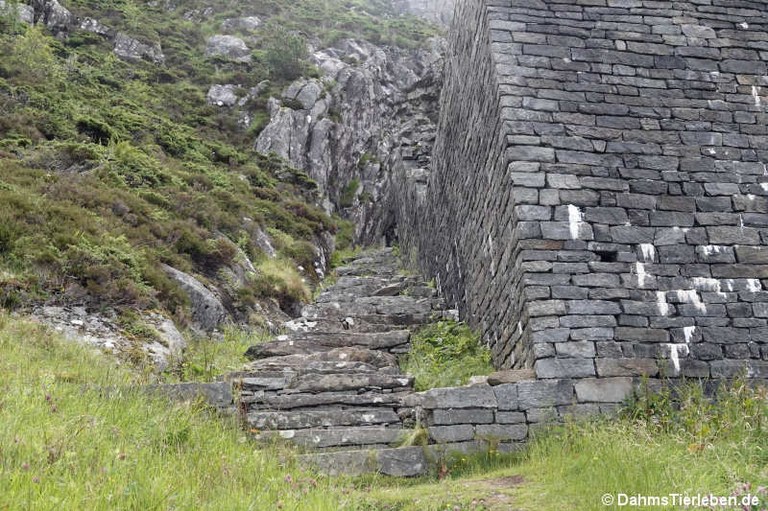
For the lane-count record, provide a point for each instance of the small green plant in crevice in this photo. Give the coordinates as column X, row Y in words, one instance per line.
column 445, row 354
column 348, row 193
column 418, row 436
column 345, row 239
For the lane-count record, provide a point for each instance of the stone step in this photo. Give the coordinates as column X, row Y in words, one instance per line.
column 341, row 382
column 304, row 365
column 376, row 358
column 303, row 419
column 353, row 294
column 313, row 342
column 344, row 436
column 264, row 399
column 397, row 462
column 336, row 324
column 371, row 305
column 296, row 382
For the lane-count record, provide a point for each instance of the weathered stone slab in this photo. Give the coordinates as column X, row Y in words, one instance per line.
column 543, row 393
column 603, row 390
column 352, row 381
column 302, row 419
column 564, row 368
column 514, row 432
column 511, row 376
column 477, row 396
column 339, row 436
column 462, row 416
column 450, row 434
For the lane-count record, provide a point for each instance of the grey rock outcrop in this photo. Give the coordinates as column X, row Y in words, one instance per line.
column 24, row 12
column 129, row 48
column 53, row 15
column 102, row 329
column 371, row 106
column 95, row 27
column 227, row 47
column 222, row 95
column 207, row 310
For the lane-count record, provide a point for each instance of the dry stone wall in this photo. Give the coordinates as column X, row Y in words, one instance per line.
column 598, row 197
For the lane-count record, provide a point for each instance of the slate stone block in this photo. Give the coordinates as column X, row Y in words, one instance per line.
column 446, row 434
column 450, row 417
column 564, row 368
column 544, row 393
column 513, row 432
column 603, row 390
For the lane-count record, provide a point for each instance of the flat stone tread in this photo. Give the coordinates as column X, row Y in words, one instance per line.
column 317, row 342
column 274, row 401
column 398, row 462
column 302, row 419
column 320, row 438
column 375, row 358
column 332, row 381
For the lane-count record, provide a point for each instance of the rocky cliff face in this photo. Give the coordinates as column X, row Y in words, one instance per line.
column 370, row 108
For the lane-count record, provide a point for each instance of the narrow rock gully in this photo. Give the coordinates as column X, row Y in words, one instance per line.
column 332, row 385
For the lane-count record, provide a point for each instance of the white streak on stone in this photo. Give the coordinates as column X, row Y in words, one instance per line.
column 640, row 270
column 754, row 285
column 706, row 284
column 675, row 350
column 661, row 302
column 574, row 219
column 688, row 332
column 712, row 249
column 729, row 284
column 648, row 251
column 756, row 95
column 691, row 296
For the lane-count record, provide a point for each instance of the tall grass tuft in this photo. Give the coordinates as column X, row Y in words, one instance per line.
column 66, row 442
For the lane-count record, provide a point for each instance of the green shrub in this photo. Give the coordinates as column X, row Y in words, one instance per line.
column 348, row 193
column 446, row 354
column 285, row 54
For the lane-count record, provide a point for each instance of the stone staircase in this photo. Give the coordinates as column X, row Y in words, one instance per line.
column 332, row 383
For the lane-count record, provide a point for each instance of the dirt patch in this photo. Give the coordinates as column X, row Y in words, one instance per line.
column 492, row 494
column 504, row 482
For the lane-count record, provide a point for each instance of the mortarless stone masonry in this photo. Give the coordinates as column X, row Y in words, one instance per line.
column 598, row 198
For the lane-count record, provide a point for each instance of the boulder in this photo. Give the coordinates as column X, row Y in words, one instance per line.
column 25, row 13
column 227, row 47
column 95, row 27
column 53, row 15
column 222, row 95
column 207, row 311
column 129, row 48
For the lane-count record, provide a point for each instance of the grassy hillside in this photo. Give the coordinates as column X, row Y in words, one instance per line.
column 66, row 444
column 109, row 168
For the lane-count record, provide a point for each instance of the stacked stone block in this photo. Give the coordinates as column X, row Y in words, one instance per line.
column 598, row 204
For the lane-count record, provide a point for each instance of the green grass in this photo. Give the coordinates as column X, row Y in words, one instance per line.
column 206, row 359
column 655, row 447
column 446, row 354
column 75, row 435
